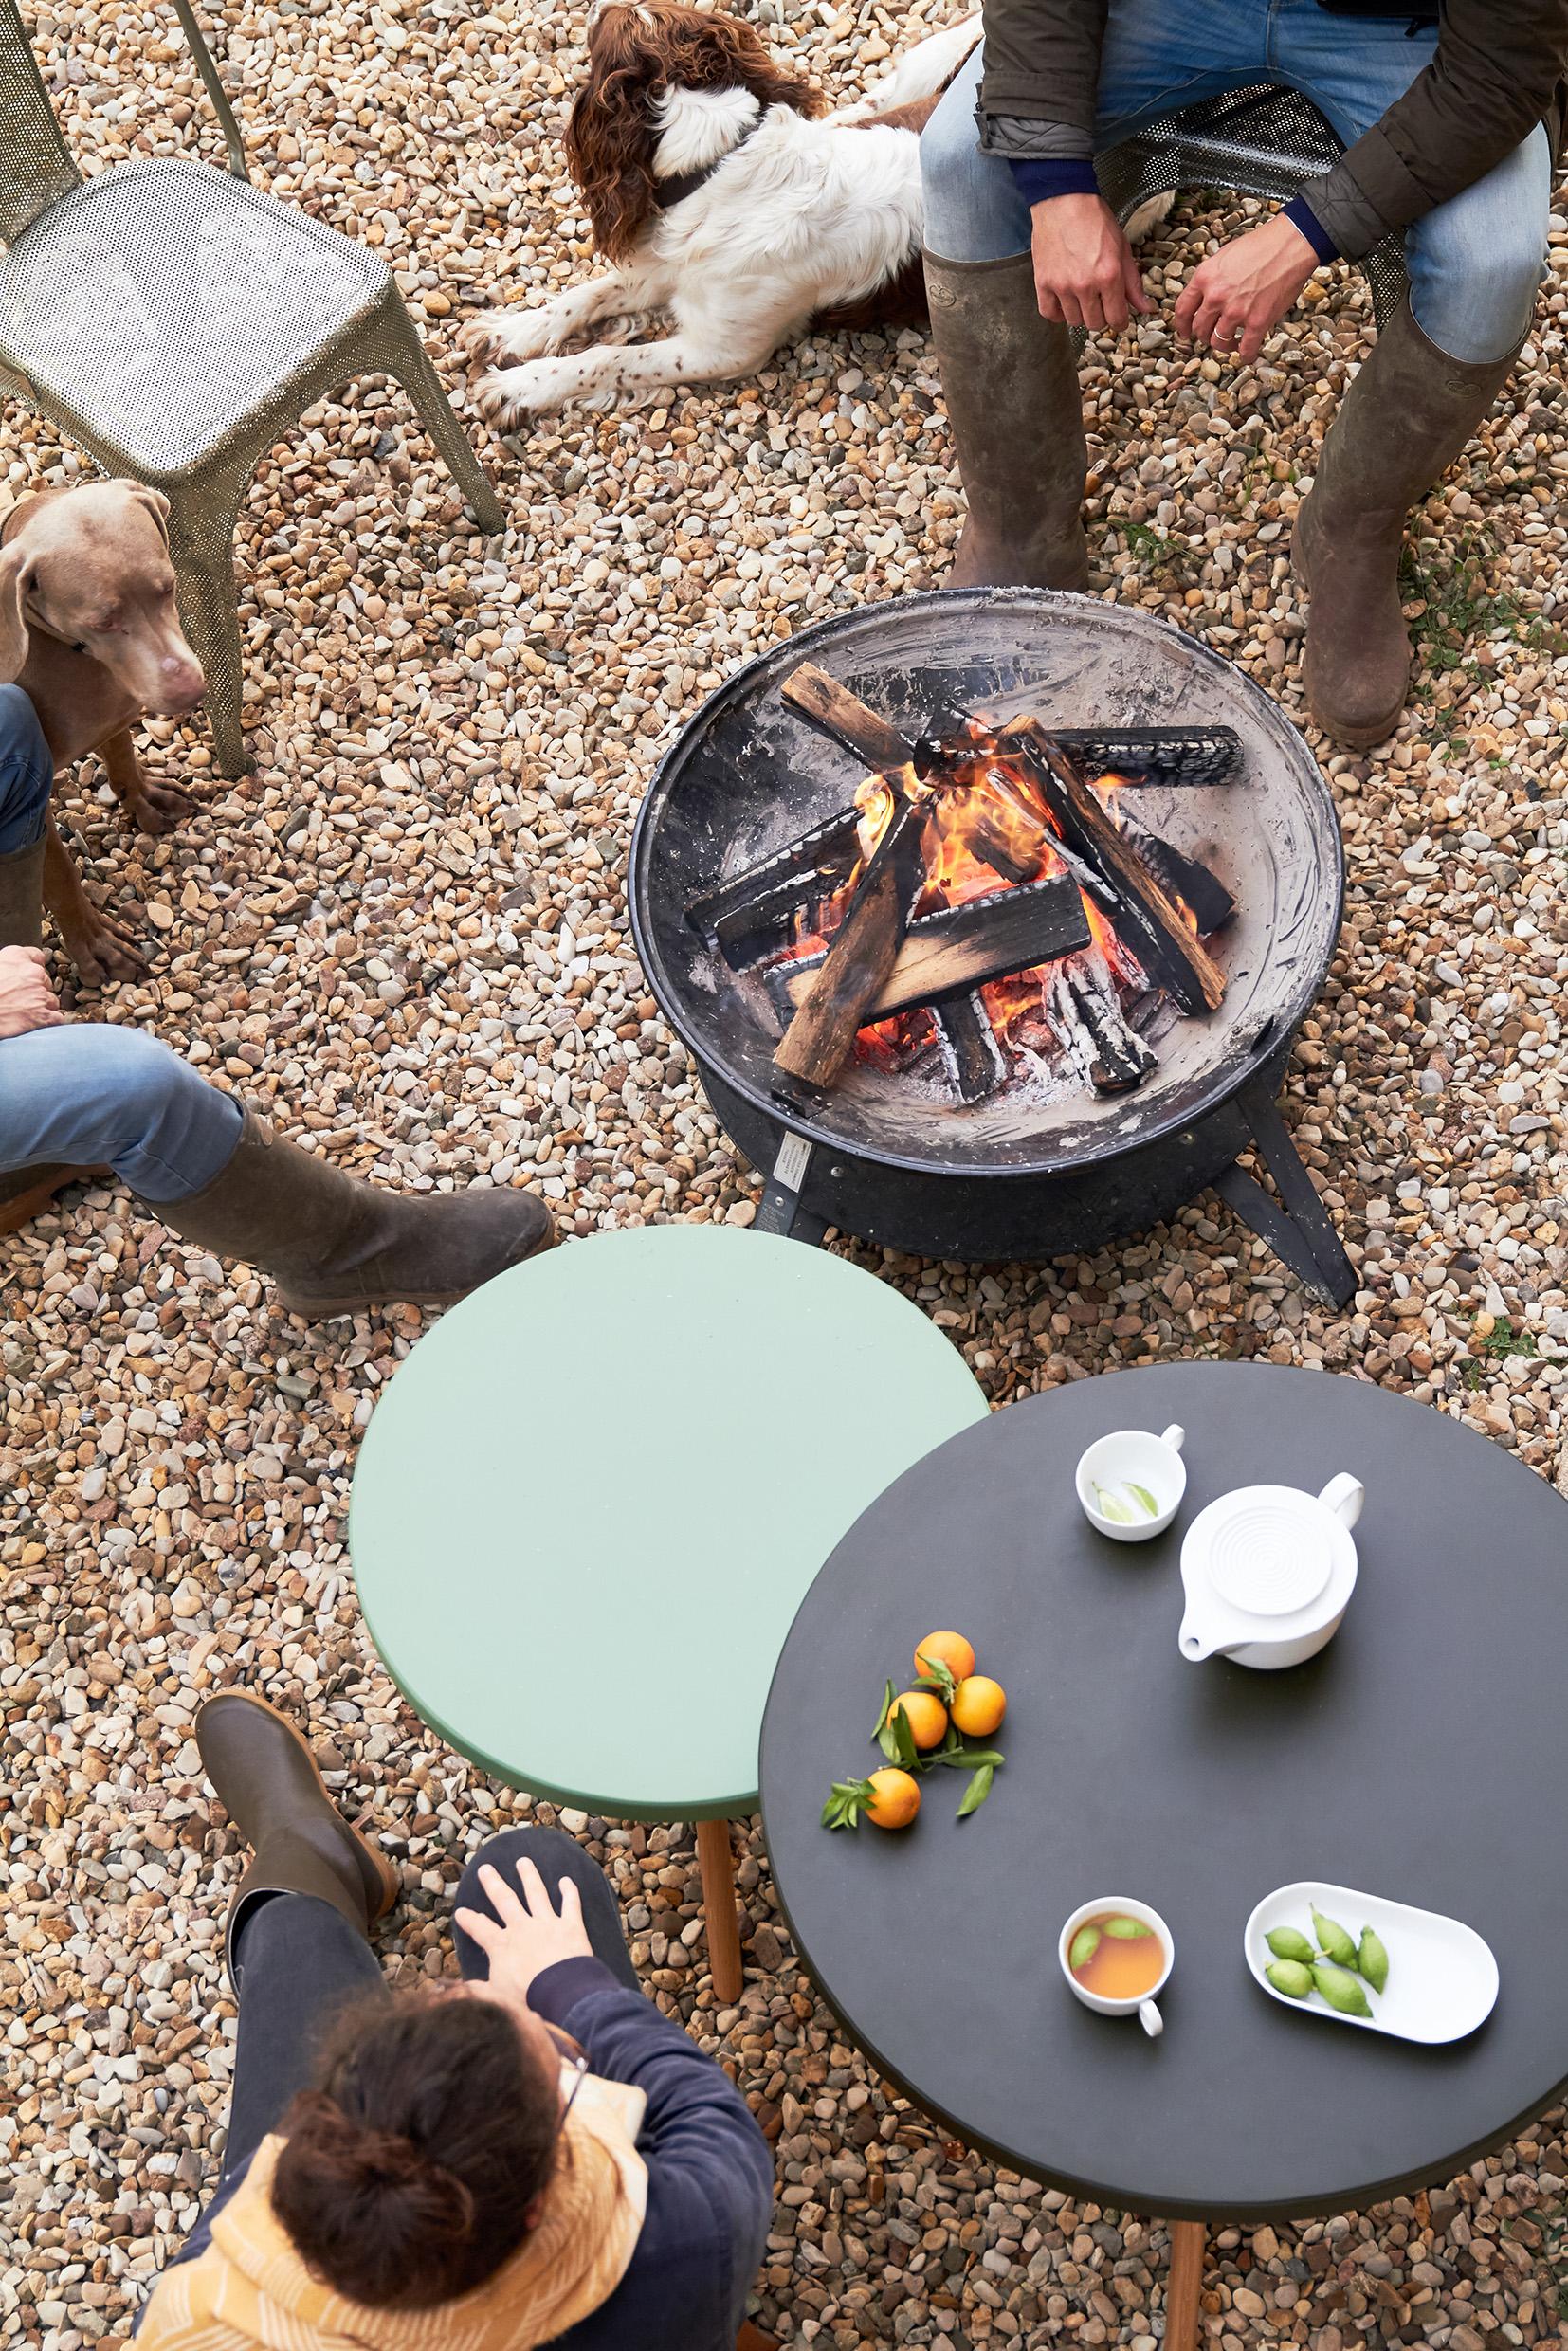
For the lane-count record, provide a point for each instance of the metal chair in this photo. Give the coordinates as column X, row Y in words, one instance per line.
column 1265, row 140
column 177, row 321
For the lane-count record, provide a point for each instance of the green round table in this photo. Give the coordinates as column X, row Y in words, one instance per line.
column 589, row 1505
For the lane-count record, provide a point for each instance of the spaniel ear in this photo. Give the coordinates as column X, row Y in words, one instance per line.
column 15, row 581
column 156, row 504
column 609, row 146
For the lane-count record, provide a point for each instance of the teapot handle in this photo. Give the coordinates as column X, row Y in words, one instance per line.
column 1345, row 1496
column 1174, row 1436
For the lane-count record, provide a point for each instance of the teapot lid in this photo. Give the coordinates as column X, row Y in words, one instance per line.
column 1267, row 1555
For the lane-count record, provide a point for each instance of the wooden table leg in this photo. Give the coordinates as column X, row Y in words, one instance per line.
column 716, row 1861
column 1189, row 2246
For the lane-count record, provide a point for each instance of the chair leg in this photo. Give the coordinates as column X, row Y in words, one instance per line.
column 752, row 2339
column 410, row 364
column 716, row 1859
column 201, row 543
column 1189, row 2247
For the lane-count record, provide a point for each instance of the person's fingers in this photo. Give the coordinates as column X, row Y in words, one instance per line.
column 504, row 1896
column 1254, row 339
column 571, row 1902
column 1187, row 302
column 1114, row 304
column 1132, row 283
column 1207, row 318
column 487, row 1932
column 1049, row 307
column 535, row 1892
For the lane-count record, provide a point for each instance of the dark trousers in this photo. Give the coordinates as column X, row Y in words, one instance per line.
column 299, row 1965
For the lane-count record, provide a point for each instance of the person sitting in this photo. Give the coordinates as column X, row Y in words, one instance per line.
column 1445, row 117
column 79, row 1097
column 532, row 2155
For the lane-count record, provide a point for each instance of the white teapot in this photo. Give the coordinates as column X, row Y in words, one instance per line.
column 1269, row 1572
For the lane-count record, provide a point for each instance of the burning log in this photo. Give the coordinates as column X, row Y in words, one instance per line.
column 1145, row 918
column 754, row 905
column 1088, row 1019
column 959, row 948
column 976, row 1061
column 852, row 974
column 1142, row 754
column 1180, row 876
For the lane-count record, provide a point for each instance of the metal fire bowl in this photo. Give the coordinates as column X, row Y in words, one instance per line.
column 746, row 775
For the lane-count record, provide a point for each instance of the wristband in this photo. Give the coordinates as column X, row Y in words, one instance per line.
column 1039, row 176
column 1301, row 215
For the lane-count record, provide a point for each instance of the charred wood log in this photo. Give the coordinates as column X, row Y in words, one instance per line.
column 970, row 1048
column 1088, row 1020
column 764, row 897
column 1144, row 755
column 1145, row 917
column 852, row 973
column 959, row 948
column 1180, row 876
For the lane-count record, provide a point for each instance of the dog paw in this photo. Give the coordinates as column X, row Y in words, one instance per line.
column 158, row 807
column 508, row 335
column 102, row 949
column 507, row 395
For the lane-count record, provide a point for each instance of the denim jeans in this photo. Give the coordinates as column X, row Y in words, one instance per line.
column 1475, row 263
column 299, row 1965
column 27, row 773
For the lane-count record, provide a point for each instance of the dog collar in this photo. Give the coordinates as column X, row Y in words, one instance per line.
column 669, row 193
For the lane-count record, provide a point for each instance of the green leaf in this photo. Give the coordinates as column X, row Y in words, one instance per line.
column 968, row 1758
column 1125, row 1929
column 908, row 1754
column 888, row 1696
column 976, row 1792
column 1113, row 1507
column 935, row 1674
column 1141, row 1494
column 887, row 1739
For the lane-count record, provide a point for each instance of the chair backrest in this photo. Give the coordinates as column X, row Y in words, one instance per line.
column 35, row 163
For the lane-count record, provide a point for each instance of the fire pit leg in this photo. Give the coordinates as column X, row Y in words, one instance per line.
column 1189, row 2245
column 1297, row 1226
column 716, row 1859
column 781, row 1209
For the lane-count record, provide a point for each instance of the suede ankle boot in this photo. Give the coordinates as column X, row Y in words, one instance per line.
column 267, row 1781
column 335, row 1243
column 1010, row 380
column 1401, row 426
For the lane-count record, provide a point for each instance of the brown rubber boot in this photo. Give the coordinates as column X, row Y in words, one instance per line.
column 267, row 1781
column 335, row 1244
column 26, row 1190
column 1401, row 424
column 1010, row 380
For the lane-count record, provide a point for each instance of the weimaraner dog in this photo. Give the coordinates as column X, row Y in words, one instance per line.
column 90, row 631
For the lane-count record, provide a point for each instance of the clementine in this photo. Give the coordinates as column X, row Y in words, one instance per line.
column 978, row 1705
column 948, row 1649
column 895, row 1799
column 925, row 1715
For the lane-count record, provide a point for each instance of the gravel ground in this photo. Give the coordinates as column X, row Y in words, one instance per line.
column 406, row 934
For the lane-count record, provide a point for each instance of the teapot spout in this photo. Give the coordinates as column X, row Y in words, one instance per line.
column 1195, row 1644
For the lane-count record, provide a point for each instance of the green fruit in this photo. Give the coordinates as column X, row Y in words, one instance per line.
column 1286, row 1942
column 1340, row 1988
column 1125, row 1929
column 1373, row 1959
column 1082, row 1947
column 1332, row 1940
column 1291, row 1977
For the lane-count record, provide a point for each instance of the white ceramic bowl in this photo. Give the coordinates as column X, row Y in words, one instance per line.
column 1136, row 1456
column 1143, row 2008
column 1442, row 1978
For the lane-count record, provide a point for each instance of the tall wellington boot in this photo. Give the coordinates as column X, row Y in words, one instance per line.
column 335, row 1243
column 268, row 1782
column 1010, row 380
column 1401, row 424
column 26, row 1190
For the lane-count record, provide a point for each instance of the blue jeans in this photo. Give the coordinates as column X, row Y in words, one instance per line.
column 27, row 773
column 86, row 1095
column 1475, row 263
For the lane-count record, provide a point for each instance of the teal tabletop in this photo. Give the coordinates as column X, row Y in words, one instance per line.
column 592, row 1500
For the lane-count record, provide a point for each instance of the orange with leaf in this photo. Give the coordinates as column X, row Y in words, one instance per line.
column 929, row 1725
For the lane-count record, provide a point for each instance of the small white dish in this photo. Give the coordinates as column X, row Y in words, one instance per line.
column 1269, row 1572
column 1143, row 2007
column 1442, row 1978
column 1134, row 1457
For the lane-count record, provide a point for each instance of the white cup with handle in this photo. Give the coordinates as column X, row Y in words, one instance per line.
column 1121, row 1475
column 1141, row 2004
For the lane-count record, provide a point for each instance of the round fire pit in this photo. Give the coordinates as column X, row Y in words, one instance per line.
column 1035, row 1168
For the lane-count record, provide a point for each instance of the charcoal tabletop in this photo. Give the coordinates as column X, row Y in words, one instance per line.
column 1418, row 1757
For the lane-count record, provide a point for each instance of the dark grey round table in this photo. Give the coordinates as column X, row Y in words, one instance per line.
column 1418, row 1757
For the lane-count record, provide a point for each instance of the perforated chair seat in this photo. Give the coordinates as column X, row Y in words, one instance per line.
column 1265, row 141
column 167, row 307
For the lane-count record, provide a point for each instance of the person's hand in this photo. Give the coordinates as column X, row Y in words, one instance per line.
column 1084, row 274
column 1240, row 294
column 526, row 1935
column 26, row 1000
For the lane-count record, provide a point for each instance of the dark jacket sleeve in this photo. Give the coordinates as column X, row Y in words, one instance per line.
column 1042, row 59
column 710, row 2169
column 1496, row 72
